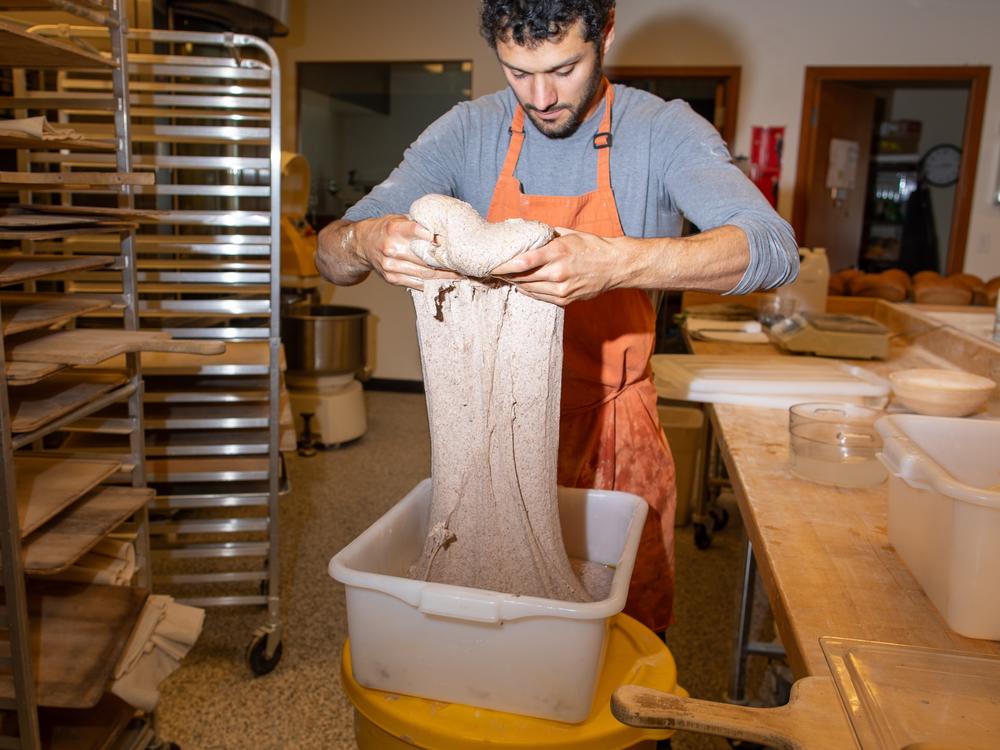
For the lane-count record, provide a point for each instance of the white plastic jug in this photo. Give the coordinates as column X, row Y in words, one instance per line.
column 810, row 288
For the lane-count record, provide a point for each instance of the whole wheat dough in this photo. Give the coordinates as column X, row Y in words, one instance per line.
column 492, row 360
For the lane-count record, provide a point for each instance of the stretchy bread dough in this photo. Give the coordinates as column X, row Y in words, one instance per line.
column 492, row 360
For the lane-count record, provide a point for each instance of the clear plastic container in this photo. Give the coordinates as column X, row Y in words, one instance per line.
column 835, row 443
column 911, row 698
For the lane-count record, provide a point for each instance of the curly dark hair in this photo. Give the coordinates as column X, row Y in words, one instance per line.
column 531, row 22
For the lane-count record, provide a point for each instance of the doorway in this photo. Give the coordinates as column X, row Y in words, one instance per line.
column 712, row 92
column 887, row 164
column 355, row 120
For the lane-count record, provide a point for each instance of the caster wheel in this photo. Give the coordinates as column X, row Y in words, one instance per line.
column 702, row 536
column 257, row 657
column 720, row 517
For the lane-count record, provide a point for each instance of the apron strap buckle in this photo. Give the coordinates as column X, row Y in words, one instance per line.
column 606, row 143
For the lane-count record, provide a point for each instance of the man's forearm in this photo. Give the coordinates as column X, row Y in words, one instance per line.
column 713, row 261
column 337, row 256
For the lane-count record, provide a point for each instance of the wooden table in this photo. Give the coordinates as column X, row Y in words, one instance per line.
column 823, row 552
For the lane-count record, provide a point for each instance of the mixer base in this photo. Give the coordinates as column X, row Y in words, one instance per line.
column 338, row 414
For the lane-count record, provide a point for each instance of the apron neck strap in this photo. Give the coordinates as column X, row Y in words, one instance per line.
column 602, row 140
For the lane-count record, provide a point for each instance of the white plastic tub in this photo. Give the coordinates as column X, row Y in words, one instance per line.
column 519, row 654
column 944, row 513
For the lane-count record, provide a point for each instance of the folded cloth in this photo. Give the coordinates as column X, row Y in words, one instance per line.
column 694, row 323
column 163, row 635
column 740, row 337
column 110, row 561
column 38, row 127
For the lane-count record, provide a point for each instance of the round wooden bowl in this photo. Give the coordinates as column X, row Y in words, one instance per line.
column 941, row 393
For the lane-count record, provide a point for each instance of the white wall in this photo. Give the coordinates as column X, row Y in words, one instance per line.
column 772, row 40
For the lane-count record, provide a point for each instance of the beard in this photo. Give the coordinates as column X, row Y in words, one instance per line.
column 577, row 110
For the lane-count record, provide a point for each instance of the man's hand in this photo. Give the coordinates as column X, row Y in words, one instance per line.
column 349, row 250
column 573, row 266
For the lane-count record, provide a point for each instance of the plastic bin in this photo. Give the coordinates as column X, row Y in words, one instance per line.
column 944, row 513
column 684, row 427
column 518, row 654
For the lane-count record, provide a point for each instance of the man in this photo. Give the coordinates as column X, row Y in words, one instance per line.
column 613, row 169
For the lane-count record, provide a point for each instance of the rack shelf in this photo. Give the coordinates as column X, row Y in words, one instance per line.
column 25, row 50
column 46, row 486
column 65, row 539
column 78, row 632
column 207, row 469
column 72, row 6
column 205, row 390
column 18, row 268
column 25, row 312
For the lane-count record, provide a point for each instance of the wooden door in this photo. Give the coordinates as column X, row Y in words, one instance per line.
column 848, row 113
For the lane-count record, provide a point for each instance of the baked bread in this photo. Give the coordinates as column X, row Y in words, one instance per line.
column 974, row 284
column 878, row 285
column 992, row 288
column 899, row 275
column 934, row 290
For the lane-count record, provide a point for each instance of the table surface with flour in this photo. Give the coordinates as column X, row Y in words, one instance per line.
column 822, row 551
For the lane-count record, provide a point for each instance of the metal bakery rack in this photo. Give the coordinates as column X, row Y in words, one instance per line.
column 205, row 120
column 62, row 638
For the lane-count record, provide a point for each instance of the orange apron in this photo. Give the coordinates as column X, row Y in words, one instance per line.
column 609, row 431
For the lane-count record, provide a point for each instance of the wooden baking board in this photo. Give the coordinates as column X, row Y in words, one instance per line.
column 21, row 49
column 31, row 220
column 16, row 268
column 11, row 139
column 94, row 729
column 34, row 406
column 58, row 233
column 240, row 358
column 42, row 181
column 91, row 211
column 45, row 486
column 25, row 312
column 66, row 538
column 91, row 346
column 29, row 373
column 78, row 633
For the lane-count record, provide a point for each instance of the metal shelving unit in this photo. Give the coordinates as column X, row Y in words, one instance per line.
column 64, row 639
column 205, row 119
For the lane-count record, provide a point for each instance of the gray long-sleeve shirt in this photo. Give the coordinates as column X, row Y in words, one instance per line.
column 666, row 163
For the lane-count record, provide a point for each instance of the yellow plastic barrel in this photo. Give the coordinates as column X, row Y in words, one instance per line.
column 635, row 656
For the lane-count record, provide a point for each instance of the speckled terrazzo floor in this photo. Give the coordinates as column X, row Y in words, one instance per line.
column 212, row 702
